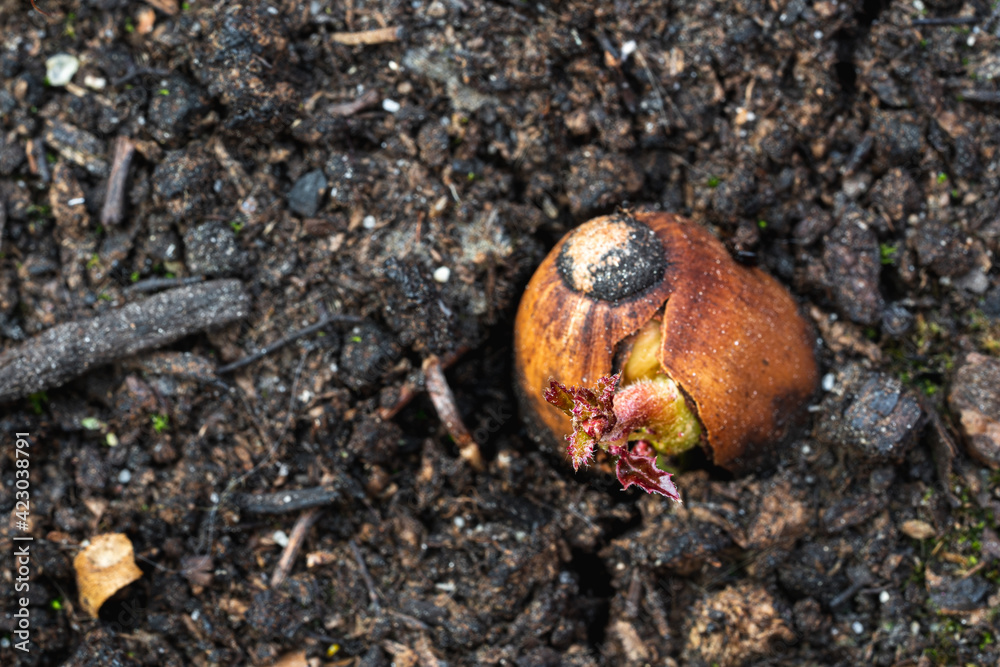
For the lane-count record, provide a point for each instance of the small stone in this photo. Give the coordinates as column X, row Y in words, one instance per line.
column 280, row 538
column 95, row 82
column 392, row 106
column 442, row 274
column 304, row 197
column 369, row 222
column 436, row 10
column 896, row 320
column 975, row 281
column 975, row 399
column 125, row 476
column 60, row 68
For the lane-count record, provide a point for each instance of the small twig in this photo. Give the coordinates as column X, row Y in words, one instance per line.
column 367, row 37
column 367, row 99
column 410, row 390
column 444, row 402
column 292, row 337
column 114, row 197
column 295, row 540
column 140, row 71
column 369, row 582
column 946, row 20
column 3, row 220
column 410, row 621
column 280, row 502
column 157, row 284
column 35, row 7
column 992, row 96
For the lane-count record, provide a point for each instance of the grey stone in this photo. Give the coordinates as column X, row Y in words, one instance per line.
column 305, row 195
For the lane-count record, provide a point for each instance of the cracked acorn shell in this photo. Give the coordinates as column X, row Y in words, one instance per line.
column 104, row 567
column 731, row 336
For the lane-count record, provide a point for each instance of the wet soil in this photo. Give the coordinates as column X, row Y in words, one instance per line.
column 394, row 171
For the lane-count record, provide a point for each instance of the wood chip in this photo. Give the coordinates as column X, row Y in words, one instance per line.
column 377, row 36
column 918, row 530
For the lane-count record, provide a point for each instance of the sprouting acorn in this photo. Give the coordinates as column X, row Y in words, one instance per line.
column 640, row 335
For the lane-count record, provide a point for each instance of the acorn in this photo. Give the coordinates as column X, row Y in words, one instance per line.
column 639, row 334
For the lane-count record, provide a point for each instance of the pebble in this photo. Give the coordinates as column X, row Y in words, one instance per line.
column 95, row 82
column 884, row 597
column 125, row 476
column 975, row 399
column 828, row 381
column 368, row 222
column 442, row 274
column 857, row 627
column 280, row 538
column 60, row 68
column 304, row 197
column 392, row 106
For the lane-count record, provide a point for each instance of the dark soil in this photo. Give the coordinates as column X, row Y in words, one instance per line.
column 852, row 149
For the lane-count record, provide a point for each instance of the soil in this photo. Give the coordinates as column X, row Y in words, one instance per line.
column 395, row 171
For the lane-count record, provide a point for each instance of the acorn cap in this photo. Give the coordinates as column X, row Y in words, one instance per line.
column 103, row 568
column 732, row 336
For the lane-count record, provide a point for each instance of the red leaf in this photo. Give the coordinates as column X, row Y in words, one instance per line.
column 560, row 396
column 581, row 449
column 642, row 471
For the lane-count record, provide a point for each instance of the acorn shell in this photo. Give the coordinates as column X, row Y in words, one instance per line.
column 103, row 568
column 732, row 336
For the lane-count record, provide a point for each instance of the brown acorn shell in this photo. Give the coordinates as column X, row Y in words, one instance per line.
column 103, row 568
column 732, row 338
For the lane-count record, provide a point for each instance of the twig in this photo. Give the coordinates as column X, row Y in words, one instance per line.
column 156, row 284
column 70, row 349
column 410, row 390
column 114, row 197
column 312, row 328
column 295, row 540
column 280, row 502
column 946, row 20
column 367, row 99
column 980, row 96
column 3, row 220
column 367, row 37
column 444, row 403
column 369, row 582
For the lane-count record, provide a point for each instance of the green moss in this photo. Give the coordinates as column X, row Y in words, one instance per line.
column 38, row 400
column 160, row 422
